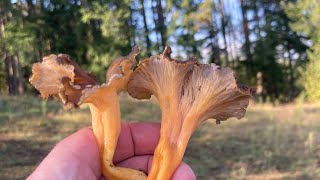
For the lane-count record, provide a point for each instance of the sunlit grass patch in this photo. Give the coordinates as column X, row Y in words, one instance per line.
column 257, row 144
column 139, row 110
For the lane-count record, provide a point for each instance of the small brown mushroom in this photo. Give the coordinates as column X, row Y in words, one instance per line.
column 188, row 94
column 60, row 77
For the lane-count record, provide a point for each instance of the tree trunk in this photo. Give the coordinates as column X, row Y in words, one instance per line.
column 156, row 24
column 146, row 29
column 14, row 75
column 223, row 28
column 291, row 77
column 257, row 19
column 195, row 51
column 39, row 45
column 235, row 39
column 20, row 80
column 131, row 28
column 161, row 25
column 232, row 51
column 246, row 35
column 11, row 73
column 31, row 8
column 215, row 57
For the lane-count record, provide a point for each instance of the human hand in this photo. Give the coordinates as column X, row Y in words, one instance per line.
column 77, row 156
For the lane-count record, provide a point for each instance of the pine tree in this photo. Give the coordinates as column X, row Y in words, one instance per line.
column 305, row 15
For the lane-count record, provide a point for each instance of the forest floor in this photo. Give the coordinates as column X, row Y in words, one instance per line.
column 271, row 142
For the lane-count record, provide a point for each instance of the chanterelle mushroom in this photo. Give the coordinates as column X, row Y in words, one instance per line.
column 60, row 77
column 188, row 94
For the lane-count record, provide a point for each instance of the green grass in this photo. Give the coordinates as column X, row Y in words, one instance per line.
column 280, row 142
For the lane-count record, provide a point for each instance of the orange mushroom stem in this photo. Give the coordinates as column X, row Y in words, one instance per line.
column 60, row 77
column 188, row 93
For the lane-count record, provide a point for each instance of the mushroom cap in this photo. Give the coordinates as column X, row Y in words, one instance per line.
column 122, row 64
column 158, row 73
column 194, row 90
column 117, row 78
column 59, row 76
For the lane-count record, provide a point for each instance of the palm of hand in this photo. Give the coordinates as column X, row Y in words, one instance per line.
column 77, row 156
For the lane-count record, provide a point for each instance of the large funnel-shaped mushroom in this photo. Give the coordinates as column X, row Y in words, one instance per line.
column 188, row 94
column 58, row 76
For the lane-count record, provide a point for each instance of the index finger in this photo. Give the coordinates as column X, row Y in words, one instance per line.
column 137, row 139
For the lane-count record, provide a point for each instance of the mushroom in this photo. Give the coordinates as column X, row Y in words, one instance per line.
column 188, row 93
column 60, row 77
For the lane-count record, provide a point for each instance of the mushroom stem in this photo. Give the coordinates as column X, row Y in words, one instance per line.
column 106, row 127
column 104, row 104
column 171, row 147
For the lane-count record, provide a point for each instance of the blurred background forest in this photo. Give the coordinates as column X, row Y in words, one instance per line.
column 272, row 45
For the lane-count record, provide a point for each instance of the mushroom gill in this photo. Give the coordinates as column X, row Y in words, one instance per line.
column 188, row 93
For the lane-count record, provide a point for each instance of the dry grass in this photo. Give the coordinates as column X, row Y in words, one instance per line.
column 280, row 142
